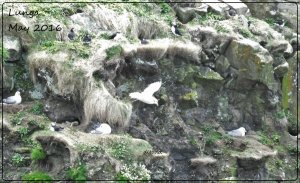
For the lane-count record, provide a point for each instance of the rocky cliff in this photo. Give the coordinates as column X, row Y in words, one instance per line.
column 234, row 65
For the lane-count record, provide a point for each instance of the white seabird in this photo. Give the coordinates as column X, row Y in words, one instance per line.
column 103, row 129
column 147, row 95
column 238, row 132
column 17, row 99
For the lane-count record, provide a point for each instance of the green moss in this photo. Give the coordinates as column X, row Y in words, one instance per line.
column 210, row 134
column 38, row 154
column 17, row 119
column 17, row 159
column 208, row 17
column 270, row 21
column 22, row 80
column 220, row 28
column 52, row 46
column 23, row 131
column 5, row 54
column 165, row 8
column 113, row 51
column 37, row 108
column 37, row 176
column 269, row 139
column 245, row 33
column 120, row 150
column 193, row 95
column 287, row 82
column 78, row 173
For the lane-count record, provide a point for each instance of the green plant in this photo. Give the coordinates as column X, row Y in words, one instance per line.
column 37, row 108
column 210, row 17
column 22, row 80
column 133, row 172
column 193, row 141
column 270, row 21
column 210, row 134
column 245, row 32
column 165, row 8
column 16, row 119
column 37, row 154
column 220, row 28
column 113, row 51
column 37, row 175
column 5, row 52
column 77, row 173
column 17, row 159
column 120, row 150
column 267, row 139
column 293, row 149
column 280, row 114
column 23, row 131
column 105, row 35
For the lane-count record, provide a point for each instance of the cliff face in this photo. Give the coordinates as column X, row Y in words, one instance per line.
column 233, row 66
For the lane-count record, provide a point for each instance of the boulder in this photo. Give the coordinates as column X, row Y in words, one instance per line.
column 185, row 14
column 252, row 62
column 281, row 69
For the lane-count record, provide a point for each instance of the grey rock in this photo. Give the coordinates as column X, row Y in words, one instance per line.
column 282, row 69
column 185, row 15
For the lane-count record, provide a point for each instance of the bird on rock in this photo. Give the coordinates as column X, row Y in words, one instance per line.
column 175, row 30
column 103, row 129
column 279, row 22
column 147, row 95
column 238, row 132
column 16, row 99
column 55, row 127
column 71, row 34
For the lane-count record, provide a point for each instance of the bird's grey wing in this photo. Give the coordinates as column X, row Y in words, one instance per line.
column 10, row 100
column 233, row 133
column 152, row 88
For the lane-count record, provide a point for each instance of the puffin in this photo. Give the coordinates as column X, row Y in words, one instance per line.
column 87, row 39
column 175, row 30
column 71, row 34
column 55, row 127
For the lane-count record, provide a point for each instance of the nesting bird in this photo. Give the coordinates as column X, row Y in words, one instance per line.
column 280, row 22
column 103, row 129
column 175, row 30
column 16, row 99
column 55, row 127
column 87, row 39
column 71, row 34
column 147, row 95
column 238, row 132
column 249, row 23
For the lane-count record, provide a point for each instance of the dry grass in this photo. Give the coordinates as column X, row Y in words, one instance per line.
column 100, row 105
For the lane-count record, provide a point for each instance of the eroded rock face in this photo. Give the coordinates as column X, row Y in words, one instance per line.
column 252, row 62
column 59, row 109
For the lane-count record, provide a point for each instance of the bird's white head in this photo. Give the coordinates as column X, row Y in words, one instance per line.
column 243, row 129
column 53, row 124
column 17, row 93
